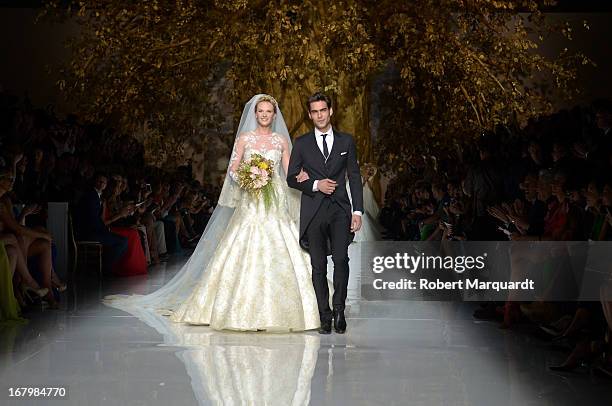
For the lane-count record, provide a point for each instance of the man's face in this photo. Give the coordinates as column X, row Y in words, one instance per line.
column 38, row 155
column 438, row 194
column 101, row 183
column 320, row 115
column 604, row 120
column 557, row 152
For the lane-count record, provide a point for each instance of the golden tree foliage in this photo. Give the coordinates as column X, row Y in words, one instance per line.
column 463, row 65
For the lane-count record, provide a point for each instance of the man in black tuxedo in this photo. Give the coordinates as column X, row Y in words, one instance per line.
column 327, row 221
column 91, row 227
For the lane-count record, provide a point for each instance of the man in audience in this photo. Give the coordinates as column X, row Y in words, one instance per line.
column 90, row 225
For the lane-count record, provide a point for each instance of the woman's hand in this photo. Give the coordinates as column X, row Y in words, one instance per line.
column 456, row 208
column 302, row 176
column 127, row 210
column 30, row 209
column 498, row 214
column 580, row 150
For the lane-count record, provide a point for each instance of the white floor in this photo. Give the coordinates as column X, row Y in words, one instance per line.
column 394, row 353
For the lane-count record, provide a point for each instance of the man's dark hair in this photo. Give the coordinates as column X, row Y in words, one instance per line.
column 318, row 96
column 99, row 175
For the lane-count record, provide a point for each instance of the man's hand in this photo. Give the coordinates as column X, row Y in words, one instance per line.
column 355, row 223
column 302, row 176
column 327, row 186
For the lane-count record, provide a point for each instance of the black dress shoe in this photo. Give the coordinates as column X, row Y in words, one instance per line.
column 339, row 321
column 325, row 327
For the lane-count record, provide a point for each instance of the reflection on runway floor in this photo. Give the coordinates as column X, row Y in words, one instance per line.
column 394, row 353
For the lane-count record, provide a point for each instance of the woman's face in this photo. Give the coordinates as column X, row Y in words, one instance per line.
column 50, row 161
column 453, row 190
column 38, row 155
column 557, row 152
column 592, row 195
column 544, row 189
column 437, row 193
column 534, row 151
column 558, row 187
column 530, row 187
column 592, row 188
column 23, row 164
column 116, row 188
column 575, row 196
column 264, row 113
column 6, row 184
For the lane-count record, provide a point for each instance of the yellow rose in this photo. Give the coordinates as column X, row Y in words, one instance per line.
column 263, row 165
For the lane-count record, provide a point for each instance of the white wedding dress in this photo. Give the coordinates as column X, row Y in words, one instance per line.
column 258, row 278
column 248, row 271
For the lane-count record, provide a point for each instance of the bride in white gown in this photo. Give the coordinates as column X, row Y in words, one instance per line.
column 248, row 271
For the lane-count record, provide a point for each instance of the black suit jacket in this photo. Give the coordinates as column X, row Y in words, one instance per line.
column 342, row 162
column 89, row 219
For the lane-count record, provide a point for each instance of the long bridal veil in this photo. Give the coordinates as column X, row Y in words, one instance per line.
column 170, row 296
column 226, row 367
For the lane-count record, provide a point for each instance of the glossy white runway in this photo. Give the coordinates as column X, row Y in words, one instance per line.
column 394, row 353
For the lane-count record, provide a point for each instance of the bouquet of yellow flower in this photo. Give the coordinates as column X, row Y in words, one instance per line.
column 254, row 176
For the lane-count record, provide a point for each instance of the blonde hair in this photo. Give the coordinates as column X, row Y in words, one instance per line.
column 269, row 99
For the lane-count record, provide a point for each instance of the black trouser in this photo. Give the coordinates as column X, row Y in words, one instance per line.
column 331, row 223
column 113, row 247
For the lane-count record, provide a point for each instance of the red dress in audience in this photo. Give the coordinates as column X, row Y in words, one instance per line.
column 133, row 262
column 555, row 221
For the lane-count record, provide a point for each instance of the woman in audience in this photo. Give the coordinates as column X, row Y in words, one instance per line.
column 154, row 230
column 115, row 214
column 9, row 305
column 9, row 232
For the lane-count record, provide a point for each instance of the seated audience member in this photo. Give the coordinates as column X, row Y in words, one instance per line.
column 9, row 306
column 30, row 243
column 115, row 214
column 90, row 225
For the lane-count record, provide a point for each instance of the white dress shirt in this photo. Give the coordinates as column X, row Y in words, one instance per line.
column 329, row 140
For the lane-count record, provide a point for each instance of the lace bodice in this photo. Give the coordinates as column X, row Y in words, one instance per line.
column 262, row 142
column 270, row 146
